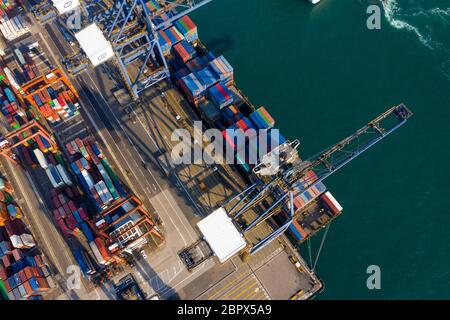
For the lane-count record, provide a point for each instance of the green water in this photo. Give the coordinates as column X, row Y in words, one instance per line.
column 323, row 74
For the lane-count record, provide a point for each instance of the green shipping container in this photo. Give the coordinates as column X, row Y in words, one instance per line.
column 109, row 170
column 3, row 292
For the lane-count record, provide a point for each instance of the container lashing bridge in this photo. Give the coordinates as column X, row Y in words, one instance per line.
column 277, row 178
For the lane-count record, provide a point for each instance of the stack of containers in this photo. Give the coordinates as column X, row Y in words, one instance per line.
column 5, row 6
column 210, row 110
column 207, row 77
column 305, row 197
column 164, row 43
column 221, row 95
column 188, row 28
column 94, row 172
column 332, row 203
column 18, row 235
column 297, row 231
column 197, row 64
column 72, row 219
column 55, row 171
column 24, row 276
column 173, row 35
column 27, row 64
column 231, row 115
column 184, row 51
column 223, row 70
column 14, row 28
column 192, row 87
column 262, row 119
column 55, row 106
column 151, row 7
column 181, row 73
column 84, row 261
column 10, row 107
column 67, row 214
column 168, row 38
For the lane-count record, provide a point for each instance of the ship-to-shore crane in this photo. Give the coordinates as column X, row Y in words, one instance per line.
column 131, row 26
column 277, row 178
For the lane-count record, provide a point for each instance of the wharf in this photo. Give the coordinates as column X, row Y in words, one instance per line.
column 180, row 199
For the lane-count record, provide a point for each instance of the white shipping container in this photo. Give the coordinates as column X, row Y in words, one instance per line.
column 14, row 28
column 106, row 193
column 11, row 78
column 97, row 253
column 87, row 177
column 100, row 193
column 64, row 175
column 28, row 240
column 41, row 158
column 52, row 179
column 16, row 241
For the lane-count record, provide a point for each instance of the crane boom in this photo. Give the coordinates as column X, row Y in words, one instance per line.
column 349, row 148
column 323, row 165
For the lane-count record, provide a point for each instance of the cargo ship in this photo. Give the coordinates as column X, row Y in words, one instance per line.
column 100, row 218
column 207, row 82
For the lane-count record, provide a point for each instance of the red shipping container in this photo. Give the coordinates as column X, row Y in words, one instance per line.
column 29, row 272
column 70, row 148
column 72, row 206
column 22, row 276
column 62, row 199
column 83, row 214
column 62, row 213
column 61, row 101
column 79, row 142
column 66, row 209
column 17, row 254
column 56, row 215
column 101, row 247
column 70, row 221
column 7, row 286
column 6, row 261
column 300, row 229
column 28, row 288
column 3, row 274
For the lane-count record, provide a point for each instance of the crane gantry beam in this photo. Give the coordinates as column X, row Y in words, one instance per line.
column 323, row 165
column 132, row 29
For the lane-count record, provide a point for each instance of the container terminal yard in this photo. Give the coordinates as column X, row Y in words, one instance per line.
column 91, row 94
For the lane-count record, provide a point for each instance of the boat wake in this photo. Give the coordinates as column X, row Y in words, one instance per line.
column 397, row 18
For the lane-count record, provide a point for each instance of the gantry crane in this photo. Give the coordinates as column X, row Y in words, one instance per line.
column 280, row 169
column 15, row 138
column 133, row 34
column 39, row 84
column 132, row 29
column 131, row 230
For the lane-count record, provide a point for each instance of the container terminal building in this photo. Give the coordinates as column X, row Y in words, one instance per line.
column 99, row 102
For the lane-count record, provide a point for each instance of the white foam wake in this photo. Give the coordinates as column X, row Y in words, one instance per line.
column 392, row 14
